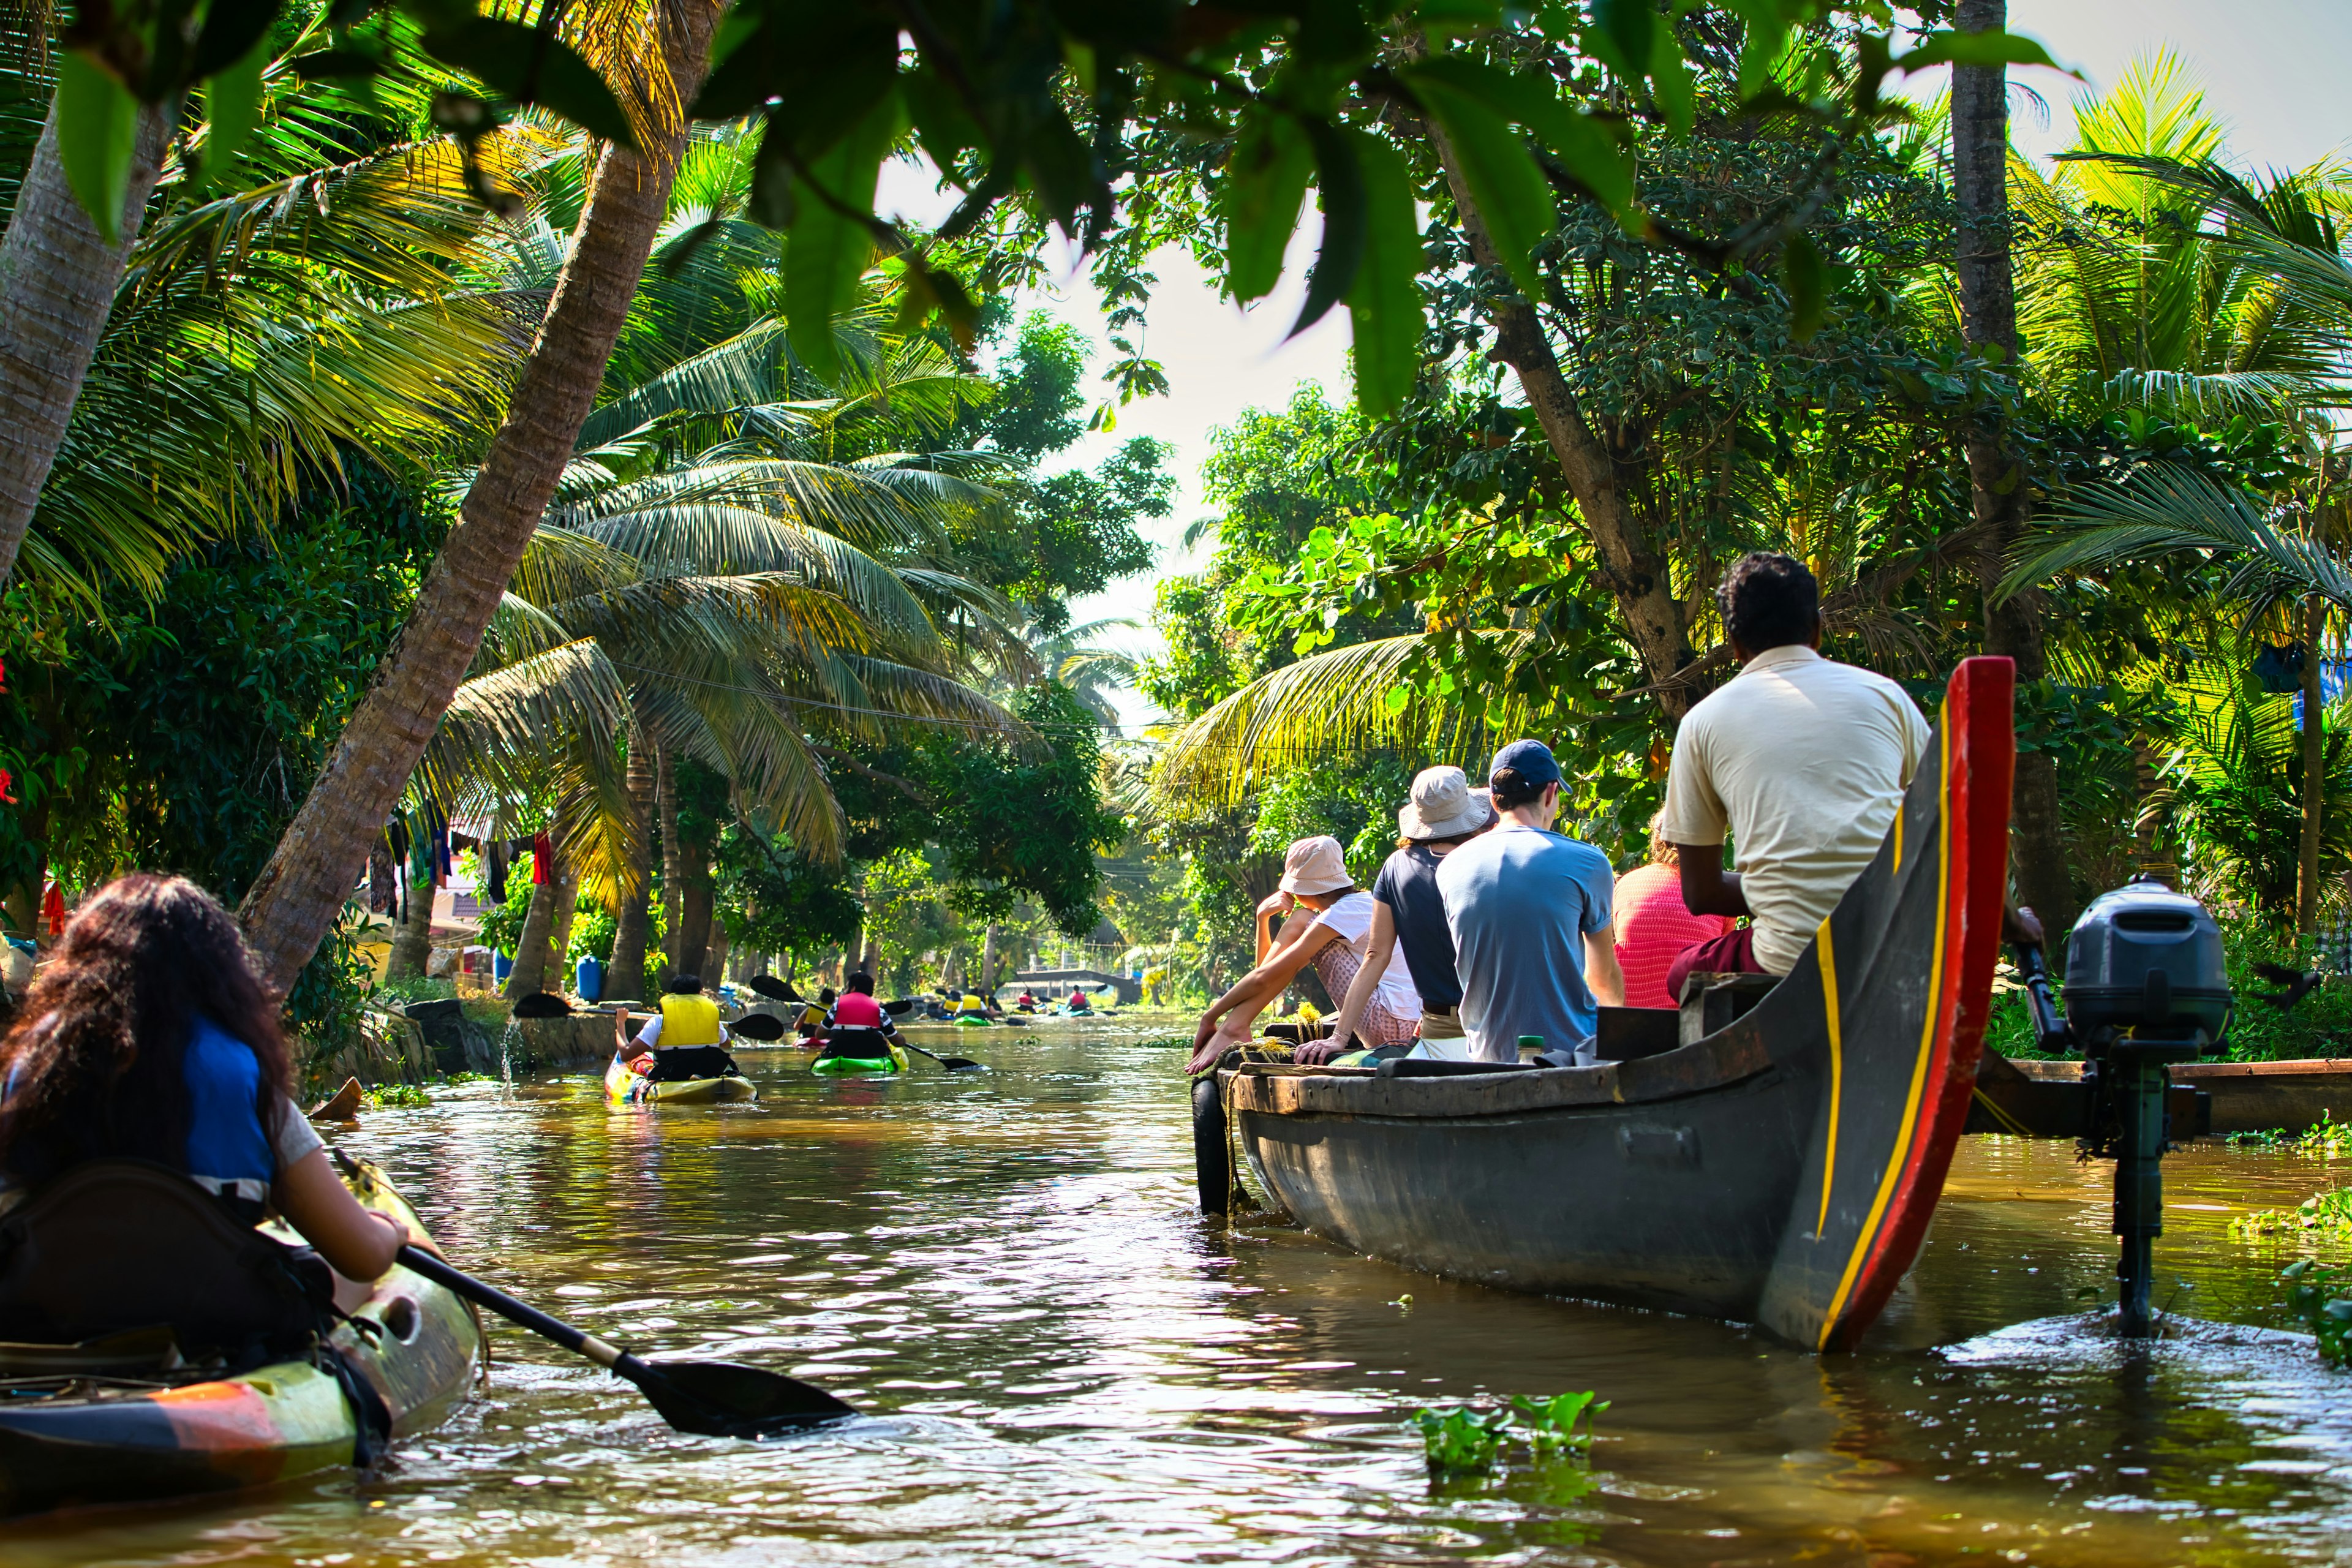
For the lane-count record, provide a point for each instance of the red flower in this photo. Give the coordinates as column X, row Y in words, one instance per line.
column 5, row 798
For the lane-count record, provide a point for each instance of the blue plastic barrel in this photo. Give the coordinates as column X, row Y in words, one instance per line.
column 501, row 966
column 588, row 979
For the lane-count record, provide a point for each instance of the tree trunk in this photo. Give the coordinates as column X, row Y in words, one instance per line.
column 294, row 901
column 559, row 931
column 626, row 980
column 412, row 944
column 2000, row 501
column 672, row 863
column 694, row 923
column 2314, row 769
column 383, row 884
column 1639, row 577
column 58, row 278
column 715, row 952
column 529, row 972
column 988, row 963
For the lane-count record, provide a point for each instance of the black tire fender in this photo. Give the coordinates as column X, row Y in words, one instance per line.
column 1212, row 1157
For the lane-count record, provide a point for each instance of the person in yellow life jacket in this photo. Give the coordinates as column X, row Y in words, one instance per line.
column 687, row 1040
column 973, row 1003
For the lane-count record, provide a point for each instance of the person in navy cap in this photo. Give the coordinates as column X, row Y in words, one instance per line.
column 1534, row 943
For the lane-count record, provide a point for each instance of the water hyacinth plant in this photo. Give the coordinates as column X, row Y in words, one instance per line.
column 2316, row 1296
column 1465, row 1442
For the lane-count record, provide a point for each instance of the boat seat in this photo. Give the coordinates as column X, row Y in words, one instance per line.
column 114, row 1246
column 1624, row 1034
column 1710, row 1002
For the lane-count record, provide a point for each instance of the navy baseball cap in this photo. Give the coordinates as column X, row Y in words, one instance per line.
column 1532, row 760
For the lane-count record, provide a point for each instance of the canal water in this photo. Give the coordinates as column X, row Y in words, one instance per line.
column 1062, row 1363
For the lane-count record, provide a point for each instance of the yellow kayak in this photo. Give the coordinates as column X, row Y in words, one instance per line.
column 622, row 1087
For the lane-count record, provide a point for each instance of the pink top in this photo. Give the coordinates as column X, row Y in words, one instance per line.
column 1652, row 930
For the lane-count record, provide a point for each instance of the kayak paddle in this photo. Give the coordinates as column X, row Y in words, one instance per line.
column 714, row 1398
column 954, row 1064
column 761, row 1027
column 773, row 989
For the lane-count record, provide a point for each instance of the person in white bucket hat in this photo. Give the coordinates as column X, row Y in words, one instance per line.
column 1315, row 876
column 1408, row 915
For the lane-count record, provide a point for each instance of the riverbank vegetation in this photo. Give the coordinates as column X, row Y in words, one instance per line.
column 730, row 541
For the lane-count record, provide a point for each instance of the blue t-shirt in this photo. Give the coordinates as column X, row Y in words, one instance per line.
column 1520, row 902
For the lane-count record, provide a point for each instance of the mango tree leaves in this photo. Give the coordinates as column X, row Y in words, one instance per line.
column 1384, row 301
column 98, row 124
column 1264, row 185
column 1802, row 270
column 1509, row 190
column 1976, row 49
column 232, row 110
column 830, row 241
column 1340, row 179
column 530, row 65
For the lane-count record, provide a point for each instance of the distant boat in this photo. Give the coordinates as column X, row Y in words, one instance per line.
column 1781, row 1168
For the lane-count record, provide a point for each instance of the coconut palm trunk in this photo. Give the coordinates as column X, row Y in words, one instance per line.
column 557, row 976
column 294, row 901
column 2001, row 498
column 627, row 978
column 2314, row 769
column 58, row 278
column 412, row 944
column 672, row 863
column 529, row 971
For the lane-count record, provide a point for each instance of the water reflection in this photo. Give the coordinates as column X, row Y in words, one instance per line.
column 1063, row 1365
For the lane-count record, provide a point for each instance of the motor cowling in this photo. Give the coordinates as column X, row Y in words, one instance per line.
column 2147, row 959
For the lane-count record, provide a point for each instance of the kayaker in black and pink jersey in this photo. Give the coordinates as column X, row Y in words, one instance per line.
column 858, row 1027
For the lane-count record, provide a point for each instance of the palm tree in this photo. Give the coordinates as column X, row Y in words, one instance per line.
column 658, row 56
column 1074, row 657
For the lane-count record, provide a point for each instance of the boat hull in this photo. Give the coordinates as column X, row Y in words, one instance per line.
column 860, row 1067
column 274, row 1424
column 1781, row 1170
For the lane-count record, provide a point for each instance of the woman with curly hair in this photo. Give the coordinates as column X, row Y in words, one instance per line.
column 150, row 1037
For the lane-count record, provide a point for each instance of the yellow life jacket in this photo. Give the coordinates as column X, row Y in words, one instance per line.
column 688, row 1021
column 972, row 1004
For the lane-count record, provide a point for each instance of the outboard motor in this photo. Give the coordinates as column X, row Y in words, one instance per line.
column 2145, row 988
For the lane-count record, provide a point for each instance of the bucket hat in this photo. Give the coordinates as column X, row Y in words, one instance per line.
column 1315, row 866
column 1442, row 806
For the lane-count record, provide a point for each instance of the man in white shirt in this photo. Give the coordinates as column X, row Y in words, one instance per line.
column 1803, row 760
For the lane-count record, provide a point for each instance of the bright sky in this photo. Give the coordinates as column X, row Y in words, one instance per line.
column 2271, row 69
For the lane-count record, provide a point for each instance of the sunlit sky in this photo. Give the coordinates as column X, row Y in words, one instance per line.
column 2271, row 69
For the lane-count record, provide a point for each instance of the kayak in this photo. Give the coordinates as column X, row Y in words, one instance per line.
column 123, row 1431
column 972, row 1021
column 846, row 1066
column 622, row 1087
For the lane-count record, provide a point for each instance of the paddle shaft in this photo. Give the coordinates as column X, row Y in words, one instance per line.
column 417, row 1260
column 947, row 1062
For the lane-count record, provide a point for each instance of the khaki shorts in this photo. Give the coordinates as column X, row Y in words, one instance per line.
column 1441, row 1024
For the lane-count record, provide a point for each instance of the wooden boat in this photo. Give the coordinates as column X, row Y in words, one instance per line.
column 622, row 1087
column 109, row 1423
column 1777, row 1165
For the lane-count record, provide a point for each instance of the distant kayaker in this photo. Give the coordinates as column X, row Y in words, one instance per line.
column 971, row 1006
column 812, row 1019
column 686, row 1039
column 149, row 1035
column 858, row 1027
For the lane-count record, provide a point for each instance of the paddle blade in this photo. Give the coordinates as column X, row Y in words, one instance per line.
column 773, row 989
column 757, row 1026
column 727, row 1399
column 899, row 1008
column 542, row 1005
column 960, row 1064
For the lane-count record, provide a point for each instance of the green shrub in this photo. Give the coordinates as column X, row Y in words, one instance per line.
column 1463, row 1443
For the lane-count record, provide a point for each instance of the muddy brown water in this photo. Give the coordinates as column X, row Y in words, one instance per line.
column 1062, row 1363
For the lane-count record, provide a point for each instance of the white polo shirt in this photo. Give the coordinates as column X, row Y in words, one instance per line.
column 1804, row 759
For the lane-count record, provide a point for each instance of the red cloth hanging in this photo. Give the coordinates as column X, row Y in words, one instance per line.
column 53, row 909
column 543, row 859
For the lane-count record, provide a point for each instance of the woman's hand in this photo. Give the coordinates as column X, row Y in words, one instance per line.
column 1276, row 904
column 1316, row 1053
